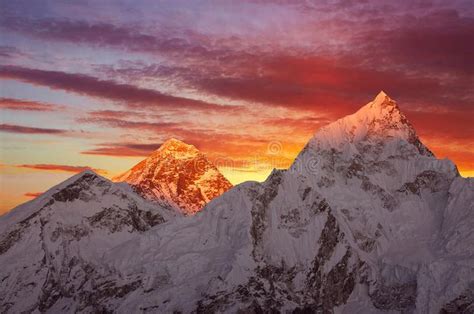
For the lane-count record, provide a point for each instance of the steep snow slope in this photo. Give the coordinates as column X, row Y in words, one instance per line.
column 179, row 175
column 51, row 247
column 365, row 220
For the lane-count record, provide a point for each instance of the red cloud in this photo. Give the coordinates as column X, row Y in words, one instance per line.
column 10, row 128
column 122, row 149
column 454, row 125
column 214, row 143
column 94, row 87
column 25, row 105
column 127, row 124
column 115, row 114
column 438, row 41
column 420, row 59
column 32, row 194
column 65, row 168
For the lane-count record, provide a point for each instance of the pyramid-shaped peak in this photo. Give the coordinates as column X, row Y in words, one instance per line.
column 174, row 145
column 177, row 175
column 87, row 172
column 383, row 112
column 378, row 121
column 85, row 175
column 381, row 97
column 382, row 107
column 174, row 141
column 382, row 100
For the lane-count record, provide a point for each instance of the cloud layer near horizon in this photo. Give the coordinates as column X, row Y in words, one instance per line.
column 65, row 168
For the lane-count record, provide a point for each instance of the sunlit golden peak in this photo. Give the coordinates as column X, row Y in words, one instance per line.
column 175, row 145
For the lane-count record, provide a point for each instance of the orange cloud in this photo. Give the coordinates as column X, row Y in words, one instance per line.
column 65, row 168
column 32, row 194
column 122, row 149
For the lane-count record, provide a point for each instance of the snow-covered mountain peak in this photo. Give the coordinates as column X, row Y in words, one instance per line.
column 378, row 123
column 381, row 98
column 177, row 149
column 84, row 187
column 382, row 107
column 54, row 244
column 177, row 175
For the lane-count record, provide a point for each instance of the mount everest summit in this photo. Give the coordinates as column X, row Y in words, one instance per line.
column 366, row 220
column 177, row 175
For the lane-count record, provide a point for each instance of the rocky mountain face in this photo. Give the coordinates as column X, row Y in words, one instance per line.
column 366, row 220
column 177, row 175
column 51, row 247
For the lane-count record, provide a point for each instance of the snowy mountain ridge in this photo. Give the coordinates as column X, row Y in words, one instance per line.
column 366, row 220
column 51, row 248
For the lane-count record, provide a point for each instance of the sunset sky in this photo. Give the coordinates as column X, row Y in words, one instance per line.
column 102, row 84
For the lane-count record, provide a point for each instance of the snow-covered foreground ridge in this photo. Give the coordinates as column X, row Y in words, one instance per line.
column 366, row 220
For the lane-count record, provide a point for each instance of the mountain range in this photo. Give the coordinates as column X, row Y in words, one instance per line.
column 366, row 220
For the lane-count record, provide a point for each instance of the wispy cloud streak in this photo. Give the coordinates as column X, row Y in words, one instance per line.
column 19, row 129
column 26, row 105
column 64, row 168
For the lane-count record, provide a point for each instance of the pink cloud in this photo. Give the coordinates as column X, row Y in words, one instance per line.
column 11, row 128
column 90, row 86
column 26, row 105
